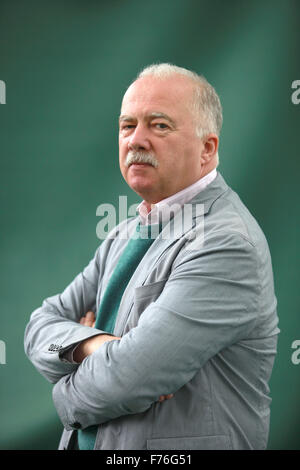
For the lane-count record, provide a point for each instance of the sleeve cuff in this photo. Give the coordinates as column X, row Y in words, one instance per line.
column 67, row 354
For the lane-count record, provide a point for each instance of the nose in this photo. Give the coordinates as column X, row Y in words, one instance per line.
column 139, row 139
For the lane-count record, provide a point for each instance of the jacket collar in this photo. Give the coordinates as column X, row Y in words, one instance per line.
column 211, row 193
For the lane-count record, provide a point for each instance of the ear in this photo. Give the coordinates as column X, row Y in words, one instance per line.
column 210, row 148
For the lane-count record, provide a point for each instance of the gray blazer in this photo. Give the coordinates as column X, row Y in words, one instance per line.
column 197, row 319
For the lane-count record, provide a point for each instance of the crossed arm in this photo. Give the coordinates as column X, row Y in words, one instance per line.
column 90, row 345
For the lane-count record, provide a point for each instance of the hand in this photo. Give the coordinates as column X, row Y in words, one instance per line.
column 165, row 397
column 88, row 320
column 91, row 344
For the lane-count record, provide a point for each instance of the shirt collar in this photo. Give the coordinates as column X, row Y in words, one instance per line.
column 159, row 211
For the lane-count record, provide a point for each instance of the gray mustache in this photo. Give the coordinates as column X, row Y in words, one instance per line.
column 141, row 157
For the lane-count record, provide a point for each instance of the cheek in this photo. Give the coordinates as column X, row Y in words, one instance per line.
column 123, row 167
column 122, row 152
column 122, row 143
column 175, row 158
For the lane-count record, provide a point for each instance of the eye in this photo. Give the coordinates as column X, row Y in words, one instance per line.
column 126, row 127
column 161, row 125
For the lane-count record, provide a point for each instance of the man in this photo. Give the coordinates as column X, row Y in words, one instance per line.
column 185, row 336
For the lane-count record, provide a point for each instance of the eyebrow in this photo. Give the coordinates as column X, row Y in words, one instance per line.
column 153, row 115
column 125, row 118
column 162, row 115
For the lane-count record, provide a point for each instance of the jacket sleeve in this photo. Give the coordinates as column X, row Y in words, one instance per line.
column 209, row 302
column 54, row 327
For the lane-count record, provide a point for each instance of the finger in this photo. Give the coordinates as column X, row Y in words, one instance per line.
column 89, row 319
column 93, row 325
column 165, row 397
column 90, row 315
column 82, row 321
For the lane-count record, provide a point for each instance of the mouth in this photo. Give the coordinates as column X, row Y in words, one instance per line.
column 140, row 165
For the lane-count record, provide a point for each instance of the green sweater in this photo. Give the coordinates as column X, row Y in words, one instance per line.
column 133, row 253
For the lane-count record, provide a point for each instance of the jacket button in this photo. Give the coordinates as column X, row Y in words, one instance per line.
column 76, row 425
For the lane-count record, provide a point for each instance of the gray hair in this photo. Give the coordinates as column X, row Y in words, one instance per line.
column 206, row 103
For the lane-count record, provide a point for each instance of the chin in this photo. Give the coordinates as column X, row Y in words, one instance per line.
column 141, row 188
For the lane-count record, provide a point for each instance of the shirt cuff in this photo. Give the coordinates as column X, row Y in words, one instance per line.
column 67, row 354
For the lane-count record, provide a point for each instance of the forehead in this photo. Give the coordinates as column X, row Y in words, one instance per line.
column 172, row 96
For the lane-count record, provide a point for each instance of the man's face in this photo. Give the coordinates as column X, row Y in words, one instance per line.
column 156, row 119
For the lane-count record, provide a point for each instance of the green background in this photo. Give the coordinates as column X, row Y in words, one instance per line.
column 66, row 65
